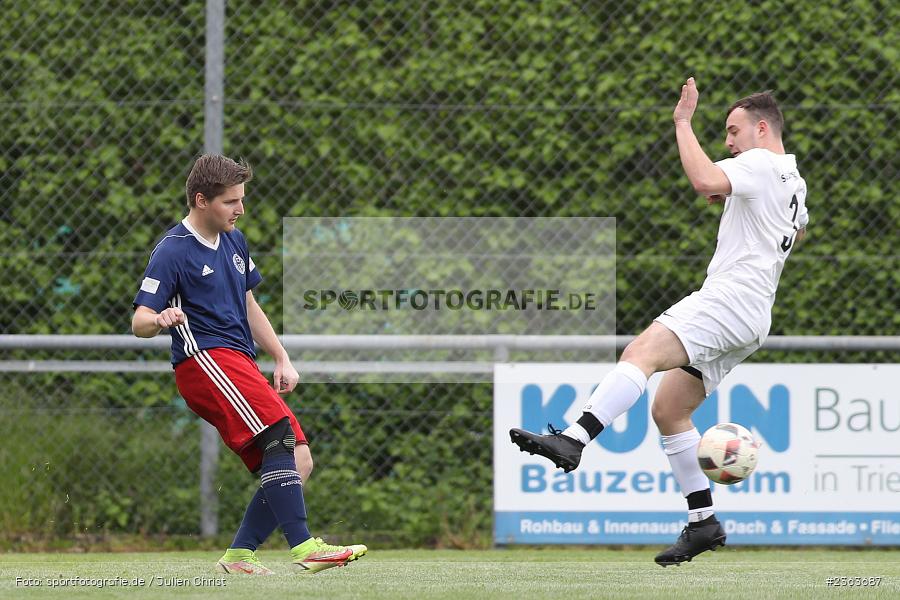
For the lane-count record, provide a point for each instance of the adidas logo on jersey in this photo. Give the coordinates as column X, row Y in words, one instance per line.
column 206, row 271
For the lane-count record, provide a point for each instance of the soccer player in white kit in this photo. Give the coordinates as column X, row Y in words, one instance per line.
column 698, row 340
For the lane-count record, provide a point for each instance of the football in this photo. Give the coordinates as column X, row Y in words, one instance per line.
column 727, row 453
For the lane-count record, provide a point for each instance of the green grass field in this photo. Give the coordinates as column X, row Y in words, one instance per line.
column 521, row 573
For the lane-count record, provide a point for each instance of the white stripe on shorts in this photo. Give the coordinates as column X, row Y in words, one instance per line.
column 230, row 391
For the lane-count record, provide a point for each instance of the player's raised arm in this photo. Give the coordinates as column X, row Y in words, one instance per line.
column 706, row 178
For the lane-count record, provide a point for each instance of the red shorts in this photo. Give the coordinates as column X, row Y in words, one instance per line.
column 226, row 388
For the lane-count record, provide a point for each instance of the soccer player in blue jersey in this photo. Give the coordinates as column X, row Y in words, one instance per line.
column 198, row 284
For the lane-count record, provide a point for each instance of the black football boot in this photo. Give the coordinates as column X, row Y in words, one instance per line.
column 695, row 538
column 565, row 452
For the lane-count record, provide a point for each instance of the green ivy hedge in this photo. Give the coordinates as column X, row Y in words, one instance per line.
column 507, row 107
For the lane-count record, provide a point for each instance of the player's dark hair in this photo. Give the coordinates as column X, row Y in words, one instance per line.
column 212, row 173
column 762, row 107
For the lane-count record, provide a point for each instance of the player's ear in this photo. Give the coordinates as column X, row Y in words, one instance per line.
column 200, row 200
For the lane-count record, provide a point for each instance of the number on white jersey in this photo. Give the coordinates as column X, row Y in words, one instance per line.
column 787, row 242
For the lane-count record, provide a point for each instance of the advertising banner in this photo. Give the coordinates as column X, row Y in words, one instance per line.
column 828, row 472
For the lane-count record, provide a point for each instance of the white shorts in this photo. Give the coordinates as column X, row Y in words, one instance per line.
column 718, row 327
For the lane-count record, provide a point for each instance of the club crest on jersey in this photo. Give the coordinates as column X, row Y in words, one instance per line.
column 238, row 263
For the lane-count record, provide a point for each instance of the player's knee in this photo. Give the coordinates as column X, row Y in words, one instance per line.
column 655, row 349
column 641, row 351
column 640, row 356
column 632, row 351
column 277, row 438
column 662, row 412
column 657, row 412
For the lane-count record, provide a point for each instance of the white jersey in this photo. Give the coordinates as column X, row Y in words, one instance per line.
column 729, row 317
column 766, row 207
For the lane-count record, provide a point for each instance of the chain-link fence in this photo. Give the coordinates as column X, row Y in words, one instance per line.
column 384, row 108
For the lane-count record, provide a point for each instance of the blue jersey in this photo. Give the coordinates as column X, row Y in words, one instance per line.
column 209, row 283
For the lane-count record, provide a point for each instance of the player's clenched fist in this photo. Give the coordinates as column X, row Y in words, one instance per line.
column 169, row 318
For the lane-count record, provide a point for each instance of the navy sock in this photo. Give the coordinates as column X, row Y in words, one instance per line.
column 284, row 494
column 258, row 524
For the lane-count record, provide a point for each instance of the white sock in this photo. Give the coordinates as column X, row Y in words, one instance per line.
column 698, row 514
column 681, row 450
column 576, row 431
column 617, row 392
